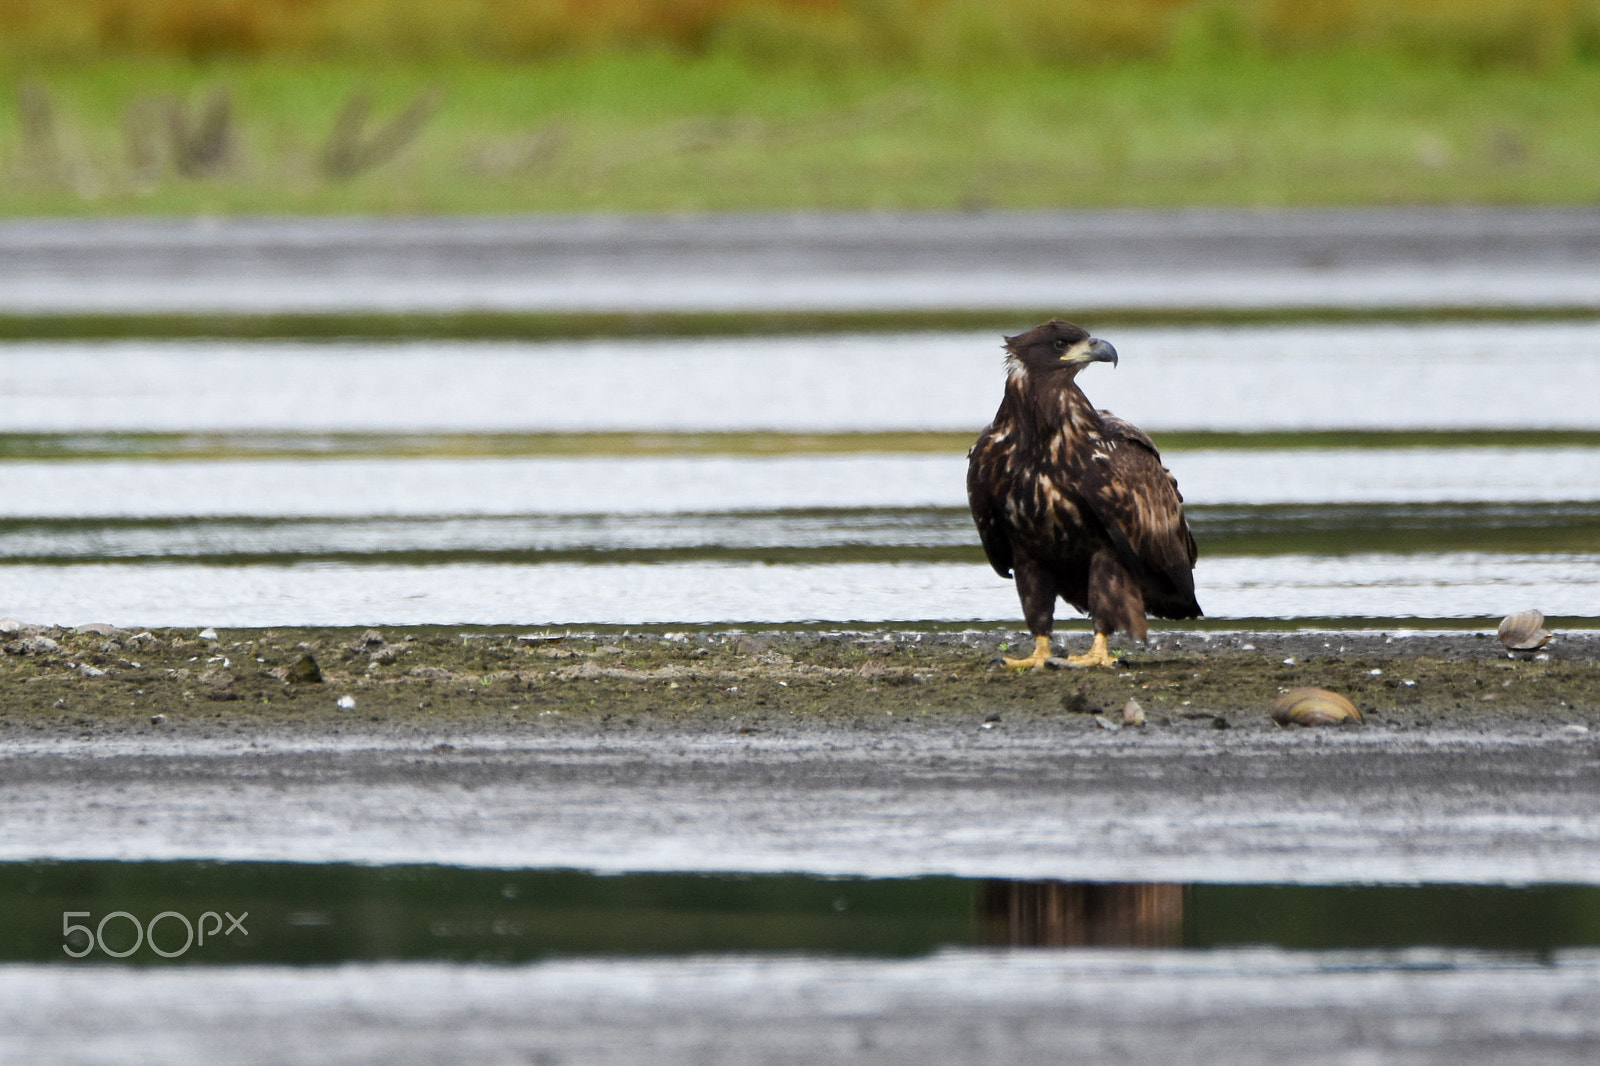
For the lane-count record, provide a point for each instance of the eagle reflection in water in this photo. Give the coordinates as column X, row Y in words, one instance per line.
column 1073, row 914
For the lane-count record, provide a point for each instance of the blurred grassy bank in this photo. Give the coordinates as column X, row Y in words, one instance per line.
column 667, row 133
column 206, row 107
column 824, row 33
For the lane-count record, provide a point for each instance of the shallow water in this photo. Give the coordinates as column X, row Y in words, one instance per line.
column 331, row 538
column 1425, row 532
column 1454, row 585
column 398, row 964
column 322, row 914
column 1350, row 376
column 1188, row 258
column 1243, row 1007
column 923, row 534
column 443, row 487
column 572, row 289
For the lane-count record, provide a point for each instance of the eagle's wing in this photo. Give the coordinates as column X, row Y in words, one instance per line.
column 987, row 487
column 1137, row 500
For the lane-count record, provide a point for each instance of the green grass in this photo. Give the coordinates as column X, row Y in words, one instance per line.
column 657, row 132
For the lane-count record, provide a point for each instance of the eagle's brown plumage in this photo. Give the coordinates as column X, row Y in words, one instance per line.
column 1074, row 502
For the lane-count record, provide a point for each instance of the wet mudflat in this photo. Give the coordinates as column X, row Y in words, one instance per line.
column 909, row 753
column 104, row 682
column 848, row 767
column 850, row 754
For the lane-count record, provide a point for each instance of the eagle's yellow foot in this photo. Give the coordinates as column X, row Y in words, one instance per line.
column 1041, row 652
column 1097, row 655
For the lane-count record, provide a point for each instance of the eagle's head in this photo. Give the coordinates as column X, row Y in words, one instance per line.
column 1055, row 348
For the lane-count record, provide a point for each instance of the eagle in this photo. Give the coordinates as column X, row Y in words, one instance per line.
column 1075, row 502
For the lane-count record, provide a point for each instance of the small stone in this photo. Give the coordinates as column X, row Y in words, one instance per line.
column 157, row 719
column 10, row 625
column 305, row 671
column 347, row 703
column 99, row 629
column 1132, row 713
column 85, row 670
column 1105, row 723
column 207, row 634
column 219, row 684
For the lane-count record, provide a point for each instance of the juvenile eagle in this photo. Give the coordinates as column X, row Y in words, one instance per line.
column 1075, row 501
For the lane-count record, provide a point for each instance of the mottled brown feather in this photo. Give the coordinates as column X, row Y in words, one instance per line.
column 988, row 485
column 1139, row 496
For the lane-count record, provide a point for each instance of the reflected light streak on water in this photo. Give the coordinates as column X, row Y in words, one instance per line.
column 1261, row 1005
column 1531, row 375
column 572, row 287
column 1465, row 584
column 654, row 485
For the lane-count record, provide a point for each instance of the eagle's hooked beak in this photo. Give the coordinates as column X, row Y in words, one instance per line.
column 1093, row 350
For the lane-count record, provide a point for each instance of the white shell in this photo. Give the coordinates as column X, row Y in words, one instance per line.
column 1313, row 706
column 1524, row 631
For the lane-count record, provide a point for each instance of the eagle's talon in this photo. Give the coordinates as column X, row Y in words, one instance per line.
column 1041, row 654
column 1097, row 655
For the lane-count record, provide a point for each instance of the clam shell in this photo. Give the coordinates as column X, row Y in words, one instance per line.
column 1313, row 706
column 1524, row 631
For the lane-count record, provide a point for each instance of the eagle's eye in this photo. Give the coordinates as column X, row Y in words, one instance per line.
column 1061, row 344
